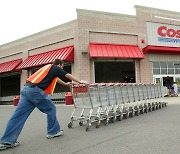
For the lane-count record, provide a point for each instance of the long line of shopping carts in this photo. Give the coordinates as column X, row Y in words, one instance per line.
column 109, row 102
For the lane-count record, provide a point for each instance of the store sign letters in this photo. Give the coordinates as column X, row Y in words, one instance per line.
column 163, row 34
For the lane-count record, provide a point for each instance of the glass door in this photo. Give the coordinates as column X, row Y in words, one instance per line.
column 158, row 80
column 177, row 80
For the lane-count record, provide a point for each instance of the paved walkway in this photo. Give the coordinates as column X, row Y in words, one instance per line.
column 156, row 132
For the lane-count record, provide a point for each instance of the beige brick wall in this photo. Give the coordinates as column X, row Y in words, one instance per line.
column 51, row 47
column 102, row 27
column 115, row 38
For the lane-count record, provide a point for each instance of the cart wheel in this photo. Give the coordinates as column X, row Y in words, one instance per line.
column 114, row 119
column 160, row 106
column 127, row 115
column 106, row 122
column 132, row 114
column 88, row 125
column 146, row 109
column 70, row 125
column 80, row 123
column 150, row 108
column 157, row 106
column 87, row 128
column 120, row 117
column 98, row 124
column 165, row 104
column 142, row 111
column 137, row 112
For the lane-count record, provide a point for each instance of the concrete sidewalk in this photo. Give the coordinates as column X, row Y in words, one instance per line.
column 156, row 132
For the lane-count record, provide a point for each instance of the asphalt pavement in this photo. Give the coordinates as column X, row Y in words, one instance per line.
column 156, row 132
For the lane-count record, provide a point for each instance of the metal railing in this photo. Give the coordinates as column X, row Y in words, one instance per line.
column 57, row 98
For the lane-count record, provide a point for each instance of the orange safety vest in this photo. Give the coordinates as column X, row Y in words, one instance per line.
column 40, row 75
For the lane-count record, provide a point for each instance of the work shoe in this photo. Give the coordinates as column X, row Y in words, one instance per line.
column 55, row 135
column 4, row 146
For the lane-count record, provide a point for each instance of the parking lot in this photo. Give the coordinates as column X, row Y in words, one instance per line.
column 156, row 132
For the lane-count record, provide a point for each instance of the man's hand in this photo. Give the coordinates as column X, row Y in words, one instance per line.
column 84, row 82
column 68, row 83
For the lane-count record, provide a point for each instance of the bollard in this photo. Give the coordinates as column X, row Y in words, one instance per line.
column 68, row 98
column 16, row 100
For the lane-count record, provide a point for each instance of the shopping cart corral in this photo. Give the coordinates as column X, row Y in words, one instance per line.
column 109, row 102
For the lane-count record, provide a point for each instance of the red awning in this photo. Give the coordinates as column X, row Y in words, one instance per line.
column 65, row 54
column 10, row 65
column 161, row 50
column 115, row 51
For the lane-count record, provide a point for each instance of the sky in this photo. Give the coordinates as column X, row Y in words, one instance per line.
column 21, row 18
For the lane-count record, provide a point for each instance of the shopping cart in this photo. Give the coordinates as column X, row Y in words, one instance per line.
column 147, row 96
column 139, row 98
column 119, row 100
column 105, row 108
column 113, row 106
column 157, row 96
column 87, row 103
column 142, row 98
column 163, row 91
column 154, row 90
column 126, row 106
column 133, row 105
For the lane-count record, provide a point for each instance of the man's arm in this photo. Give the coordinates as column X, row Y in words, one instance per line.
column 71, row 77
column 62, row 82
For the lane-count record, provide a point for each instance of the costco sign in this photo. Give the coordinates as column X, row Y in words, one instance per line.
column 163, row 31
column 163, row 34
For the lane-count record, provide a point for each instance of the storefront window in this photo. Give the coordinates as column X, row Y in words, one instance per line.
column 177, row 80
column 170, row 68
column 156, row 71
column 170, row 71
column 163, row 64
column 158, row 81
column 177, row 70
column 156, row 65
column 163, row 71
column 170, row 64
column 177, row 65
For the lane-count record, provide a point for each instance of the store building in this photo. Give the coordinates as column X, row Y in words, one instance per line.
column 99, row 47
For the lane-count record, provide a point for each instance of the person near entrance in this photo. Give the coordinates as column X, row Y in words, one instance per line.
column 175, row 88
column 35, row 94
column 168, row 81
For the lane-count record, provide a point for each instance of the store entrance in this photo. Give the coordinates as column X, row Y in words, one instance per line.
column 115, row 72
column 10, row 85
column 168, row 81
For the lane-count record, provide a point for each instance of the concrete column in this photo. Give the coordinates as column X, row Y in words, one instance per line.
column 137, row 71
column 24, row 73
column 146, row 70
column 24, row 76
